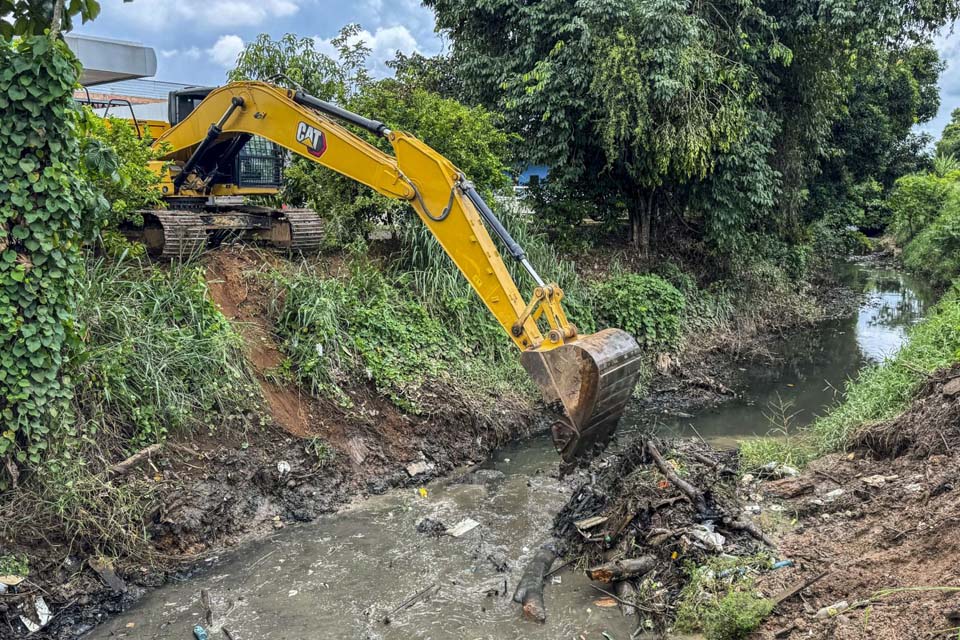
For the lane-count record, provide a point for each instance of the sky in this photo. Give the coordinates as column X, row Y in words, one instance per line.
column 198, row 41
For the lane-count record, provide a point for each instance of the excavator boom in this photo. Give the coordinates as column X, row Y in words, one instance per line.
column 591, row 377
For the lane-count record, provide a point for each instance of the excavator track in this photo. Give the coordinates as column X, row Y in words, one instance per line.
column 174, row 235
column 180, row 234
column 306, row 230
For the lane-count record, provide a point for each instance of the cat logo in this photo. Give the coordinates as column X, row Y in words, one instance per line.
column 312, row 138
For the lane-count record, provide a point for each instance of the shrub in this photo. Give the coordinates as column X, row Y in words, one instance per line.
column 915, row 201
column 116, row 162
column 720, row 600
column 935, row 251
column 647, row 306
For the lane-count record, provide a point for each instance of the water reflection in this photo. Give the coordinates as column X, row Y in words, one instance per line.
column 811, row 367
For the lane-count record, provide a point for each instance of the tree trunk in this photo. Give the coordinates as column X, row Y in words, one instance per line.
column 641, row 214
column 529, row 591
column 57, row 23
column 645, row 224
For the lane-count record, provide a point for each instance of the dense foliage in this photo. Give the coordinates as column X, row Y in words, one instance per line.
column 116, row 163
column 925, row 220
column 43, row 203
column 645, row 305
column 710, row 120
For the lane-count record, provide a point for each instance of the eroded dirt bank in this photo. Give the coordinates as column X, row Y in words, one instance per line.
column 880, row 525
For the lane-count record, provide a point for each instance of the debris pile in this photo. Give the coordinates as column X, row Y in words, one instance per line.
column 648, row 516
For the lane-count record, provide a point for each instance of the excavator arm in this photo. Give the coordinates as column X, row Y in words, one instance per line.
column 591, row 376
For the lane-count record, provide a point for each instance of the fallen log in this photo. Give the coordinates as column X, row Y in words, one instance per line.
column 123, row 467
column 695, row 495
column 529, row 591
column 622, row 569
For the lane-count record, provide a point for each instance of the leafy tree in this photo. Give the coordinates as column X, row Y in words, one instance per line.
column 30, row 17
column 714, row 115
column 291, row 60
column 435, row 74
column 871, row 142
column 949, row 143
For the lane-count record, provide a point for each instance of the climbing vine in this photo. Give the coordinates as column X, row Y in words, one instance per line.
column 43, row 205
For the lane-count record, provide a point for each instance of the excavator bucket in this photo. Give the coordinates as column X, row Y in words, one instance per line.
column 592, row 378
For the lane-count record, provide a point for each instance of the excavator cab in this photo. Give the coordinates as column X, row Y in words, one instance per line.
column 249, row 163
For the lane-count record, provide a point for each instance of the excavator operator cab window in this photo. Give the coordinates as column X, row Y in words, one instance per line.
column 258, row 164
column 181, row 103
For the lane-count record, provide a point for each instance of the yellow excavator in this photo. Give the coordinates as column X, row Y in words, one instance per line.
column 205, row 163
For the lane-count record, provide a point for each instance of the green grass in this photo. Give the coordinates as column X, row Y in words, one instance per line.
column 158, row 357
column 370, row 326
column 720, row 600
column 885, row 390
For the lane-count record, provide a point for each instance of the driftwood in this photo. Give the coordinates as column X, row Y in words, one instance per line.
column 716, row 464
column 622, row 569
column 409, row 602
column 123, row 467
column 789, row 592
column 694, row 494
column 749, row 527
column 625, row 594
column 529, row 591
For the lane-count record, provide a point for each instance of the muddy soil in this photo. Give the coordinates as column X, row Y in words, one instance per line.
column 881, row 523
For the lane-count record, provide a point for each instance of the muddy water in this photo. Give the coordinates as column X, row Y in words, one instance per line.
column 808, row 369
column 339, row 576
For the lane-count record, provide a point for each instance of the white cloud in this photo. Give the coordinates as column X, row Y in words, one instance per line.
column 383, row 44
column 226, row 49
column 193, row 53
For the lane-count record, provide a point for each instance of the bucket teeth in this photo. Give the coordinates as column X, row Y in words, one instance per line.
column 593, row 379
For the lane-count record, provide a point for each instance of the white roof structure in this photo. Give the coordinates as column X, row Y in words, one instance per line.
column 106, row 60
